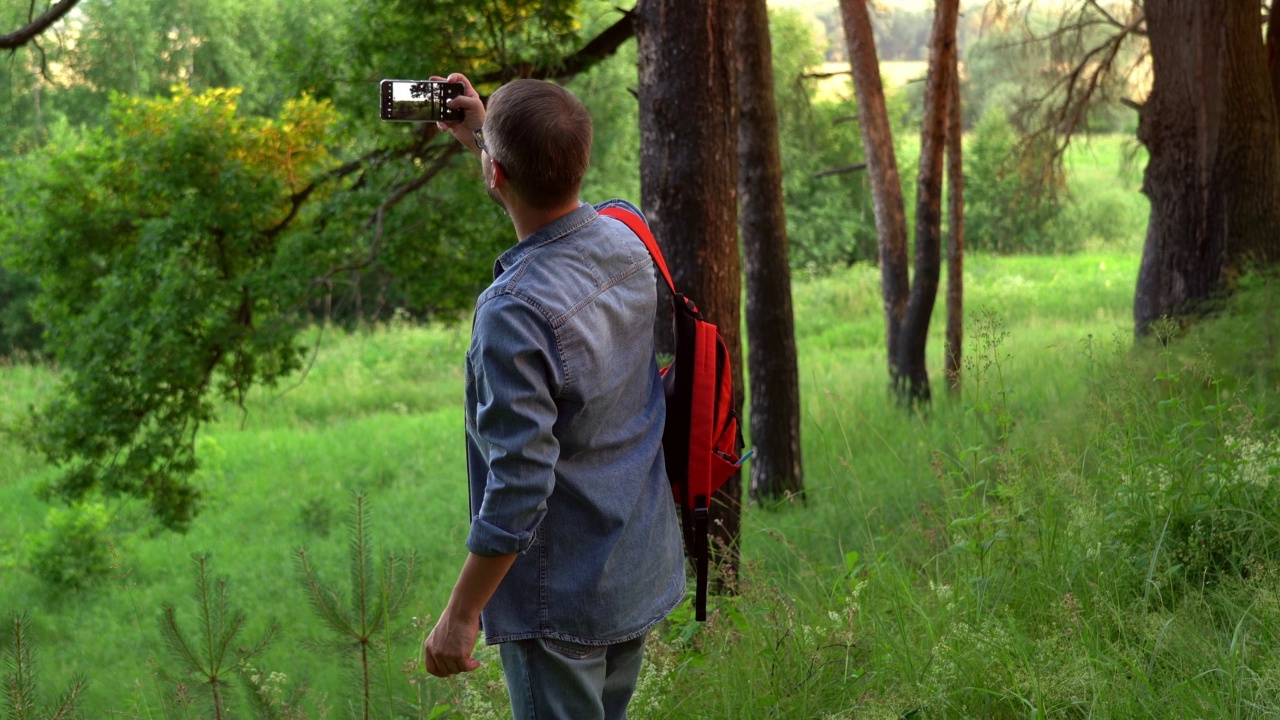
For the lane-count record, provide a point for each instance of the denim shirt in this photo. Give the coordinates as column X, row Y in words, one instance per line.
column 565, row 412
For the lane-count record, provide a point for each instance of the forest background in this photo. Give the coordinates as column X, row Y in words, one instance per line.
column 1067, row 537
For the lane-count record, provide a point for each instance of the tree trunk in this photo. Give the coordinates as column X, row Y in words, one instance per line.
column 953, row 348
column 1213, row 178
column 689, row 183
column 913, row 382
column 882, row 169
column 1251, row 151
column 1273, row 54
column 771, row 339
column 907, row 309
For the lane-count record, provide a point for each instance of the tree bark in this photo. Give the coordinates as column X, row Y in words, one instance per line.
column 1273, row 53
column 913, row 381
column 776, row 470
column 882, row 169
column 1251, row 148
column 953, row 348
column 1213, row 177
column 908, row 309
column 689, row 183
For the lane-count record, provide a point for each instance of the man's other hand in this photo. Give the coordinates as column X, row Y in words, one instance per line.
column 448, row 648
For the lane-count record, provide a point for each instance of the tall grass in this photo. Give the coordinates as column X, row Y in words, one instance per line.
column 379, row 412
column 1087, row 530
column 1114, row 555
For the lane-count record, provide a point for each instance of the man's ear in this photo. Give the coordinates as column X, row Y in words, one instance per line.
column 499, row 174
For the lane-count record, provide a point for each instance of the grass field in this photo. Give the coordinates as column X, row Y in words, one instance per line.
column 379, row 411
column 1069, row 537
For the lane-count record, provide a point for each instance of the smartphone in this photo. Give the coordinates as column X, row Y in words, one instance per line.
column 419, row 100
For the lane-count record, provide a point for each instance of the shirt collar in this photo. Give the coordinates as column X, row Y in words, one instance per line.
column 552, row 231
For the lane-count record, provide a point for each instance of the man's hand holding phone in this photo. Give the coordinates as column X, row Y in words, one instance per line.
column 473, row 113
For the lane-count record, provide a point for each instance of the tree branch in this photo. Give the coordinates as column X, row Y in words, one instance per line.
column 300, row 197
column 375, row 221
column 1073, row 109
column 1103, row 12
column 26, row 34
column 597, row 49
column 841, row 170
column 44, row 62
column 417, row 183
column 1059, row 111
column 602, row 46
column 824, row 75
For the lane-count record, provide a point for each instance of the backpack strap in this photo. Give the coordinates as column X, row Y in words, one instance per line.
column 639, row 227
column 692, row 481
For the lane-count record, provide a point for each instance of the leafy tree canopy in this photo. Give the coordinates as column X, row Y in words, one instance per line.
column 180, row 234
column 173, row 262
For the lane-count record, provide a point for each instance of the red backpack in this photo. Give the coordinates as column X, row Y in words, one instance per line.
column 702, row 441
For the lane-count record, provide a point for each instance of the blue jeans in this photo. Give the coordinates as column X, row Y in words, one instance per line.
column 558, row 680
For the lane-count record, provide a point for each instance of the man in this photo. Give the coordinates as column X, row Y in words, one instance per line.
column 575, row 549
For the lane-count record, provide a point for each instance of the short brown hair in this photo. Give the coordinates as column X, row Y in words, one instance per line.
column 541, row 135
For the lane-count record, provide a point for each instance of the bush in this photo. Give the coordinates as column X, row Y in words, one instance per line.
column 1095, row 215
column 73, row 551
column 19, row 333
column 1012, row 192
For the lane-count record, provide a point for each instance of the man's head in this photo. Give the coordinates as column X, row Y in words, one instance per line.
column 541, row 136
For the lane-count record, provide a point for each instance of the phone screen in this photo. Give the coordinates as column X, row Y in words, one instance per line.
column 419, row 100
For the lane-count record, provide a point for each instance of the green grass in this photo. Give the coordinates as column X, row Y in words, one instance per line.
column 868, row 601
column 378, row 412
column 1089, row 530
column 1076, row 540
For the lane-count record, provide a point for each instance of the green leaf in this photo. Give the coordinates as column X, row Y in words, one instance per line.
column 851, row 559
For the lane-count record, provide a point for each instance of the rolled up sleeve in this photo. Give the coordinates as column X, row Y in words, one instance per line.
column 517, row 374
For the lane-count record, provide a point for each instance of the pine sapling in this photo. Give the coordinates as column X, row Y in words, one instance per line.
column 365, row 622
column 20, row 679
column 205, row 658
